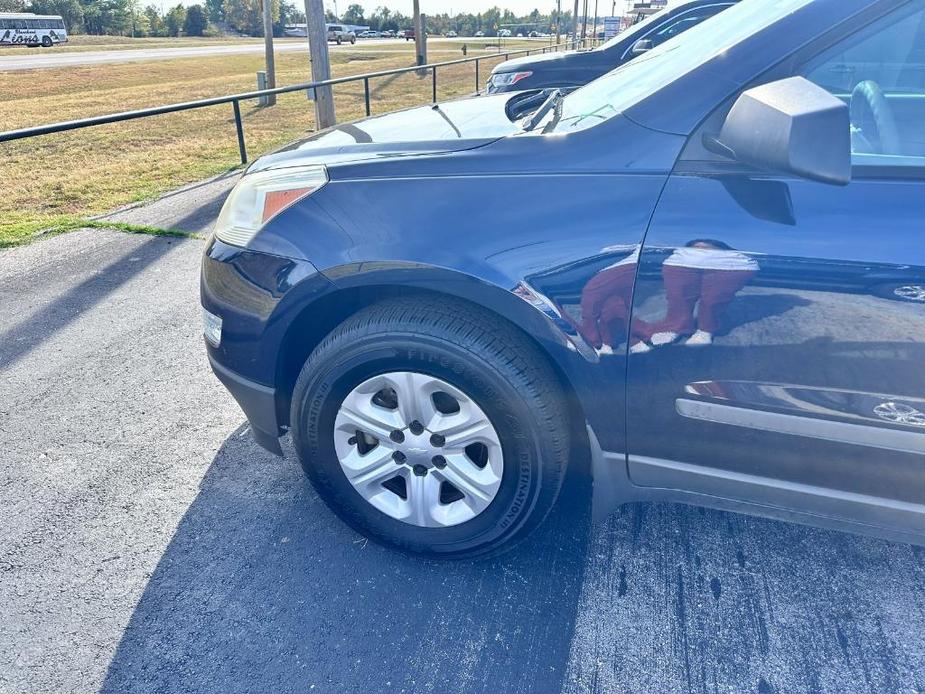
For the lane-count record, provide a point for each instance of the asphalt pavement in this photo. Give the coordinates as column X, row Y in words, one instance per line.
column 26, row 59
column 148, row 545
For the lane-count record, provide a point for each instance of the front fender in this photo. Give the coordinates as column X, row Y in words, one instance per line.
column 518, row 304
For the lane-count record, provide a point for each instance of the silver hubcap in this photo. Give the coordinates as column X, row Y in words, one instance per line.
column 900, row 413
column 912, row 292
column 418, row 449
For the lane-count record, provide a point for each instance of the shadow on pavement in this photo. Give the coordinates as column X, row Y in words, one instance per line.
column 25, row 336
column 263, row 589
column 192, row 209
column 201, row 219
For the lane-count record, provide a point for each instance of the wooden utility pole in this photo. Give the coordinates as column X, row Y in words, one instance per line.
column 270, row 99
column 321, row 64
column 575, row 25
column 420, row 39
column 558, row 21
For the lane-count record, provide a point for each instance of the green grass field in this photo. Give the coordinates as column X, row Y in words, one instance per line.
column 54, row 181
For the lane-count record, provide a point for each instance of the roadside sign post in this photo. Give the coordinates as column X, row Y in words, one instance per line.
column 321, row 64
column 261, row 85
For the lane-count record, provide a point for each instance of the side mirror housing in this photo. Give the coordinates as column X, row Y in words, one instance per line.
column 641, row 46
column 791, row 126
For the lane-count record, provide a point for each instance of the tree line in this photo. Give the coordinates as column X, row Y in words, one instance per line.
column 489, row 22
column 131, row 18
column 215, row 17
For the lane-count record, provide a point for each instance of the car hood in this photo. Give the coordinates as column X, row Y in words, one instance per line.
column 528, row 62
column 448, row 127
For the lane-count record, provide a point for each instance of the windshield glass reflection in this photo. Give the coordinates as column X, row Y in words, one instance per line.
column 618, row 90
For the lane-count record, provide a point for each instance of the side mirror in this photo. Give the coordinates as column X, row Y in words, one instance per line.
column 642, row 46
column 791, row 126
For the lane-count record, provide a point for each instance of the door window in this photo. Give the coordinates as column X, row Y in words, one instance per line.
column 880, row 73
column 683, row 23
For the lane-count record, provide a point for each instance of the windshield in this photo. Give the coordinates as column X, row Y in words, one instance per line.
column 627, row 85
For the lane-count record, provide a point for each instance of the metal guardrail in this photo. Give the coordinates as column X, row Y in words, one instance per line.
column 236, row 99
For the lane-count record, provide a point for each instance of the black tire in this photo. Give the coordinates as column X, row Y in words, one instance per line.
column 499, row 369
column 46, row 41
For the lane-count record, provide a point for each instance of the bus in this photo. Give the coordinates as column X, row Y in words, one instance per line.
column 27, row 29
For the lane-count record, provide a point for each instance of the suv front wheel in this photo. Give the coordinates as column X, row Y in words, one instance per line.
column 425, row 426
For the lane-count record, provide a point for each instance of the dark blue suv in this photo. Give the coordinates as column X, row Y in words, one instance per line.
column 572, row 69
column 704, row 273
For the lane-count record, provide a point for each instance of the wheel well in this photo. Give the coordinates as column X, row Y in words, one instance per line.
column 315, row 322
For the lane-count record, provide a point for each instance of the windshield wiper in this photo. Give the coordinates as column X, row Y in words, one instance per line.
column 596, row 113
column 552, row 101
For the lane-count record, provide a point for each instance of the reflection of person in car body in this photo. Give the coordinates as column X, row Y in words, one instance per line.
column 706, row 274
column 606, row 301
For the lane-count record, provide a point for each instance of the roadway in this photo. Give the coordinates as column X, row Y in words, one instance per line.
column 148, row 545
column 26, row 59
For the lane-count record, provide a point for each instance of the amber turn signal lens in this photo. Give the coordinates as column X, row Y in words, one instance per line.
column 278, row 200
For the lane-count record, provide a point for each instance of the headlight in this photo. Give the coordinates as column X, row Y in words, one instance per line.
column 506, row 79
column 260, row 196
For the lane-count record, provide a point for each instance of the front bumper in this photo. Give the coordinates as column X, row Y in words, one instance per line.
column 258, row 403
column 257, row 297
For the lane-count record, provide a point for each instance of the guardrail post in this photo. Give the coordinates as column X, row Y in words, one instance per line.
column 435, row 84
column 240, row 128
column 477, row 85
column 366, row 95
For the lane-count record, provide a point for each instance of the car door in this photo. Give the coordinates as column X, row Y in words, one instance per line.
column 780, row 323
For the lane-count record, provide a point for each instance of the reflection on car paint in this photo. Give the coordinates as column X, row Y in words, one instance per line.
column 606, row 304
column 701, row 279
column 874, row 408
column 558, row 318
